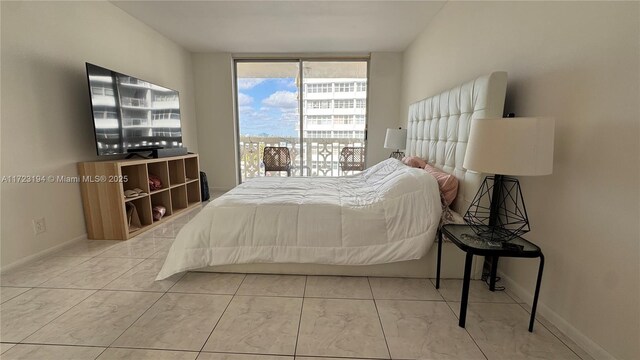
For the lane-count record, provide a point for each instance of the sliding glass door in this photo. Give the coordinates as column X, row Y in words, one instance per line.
column 315, row 109
column 334, row 115
column 268, row 111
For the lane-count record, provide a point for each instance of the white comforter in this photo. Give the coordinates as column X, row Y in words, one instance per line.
column 387, row 213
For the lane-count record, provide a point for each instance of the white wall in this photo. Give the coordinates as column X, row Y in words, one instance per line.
column 579, row 62
column 214, row 110
column 385, row 80
column 46, row 117
column 216, row 124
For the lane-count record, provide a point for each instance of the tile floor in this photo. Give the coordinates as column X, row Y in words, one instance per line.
column 99, row 300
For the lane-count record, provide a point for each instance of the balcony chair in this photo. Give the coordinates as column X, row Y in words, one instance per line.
column 352, row 158
column 276, row 158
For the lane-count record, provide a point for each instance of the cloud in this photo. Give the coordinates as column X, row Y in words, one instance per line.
column 249, row 83
column 282, row 99
column 288, row 83
column 244, row 99
column 268, row 121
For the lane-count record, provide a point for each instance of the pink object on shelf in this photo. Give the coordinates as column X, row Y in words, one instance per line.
column 158, row 212
column 154, row 182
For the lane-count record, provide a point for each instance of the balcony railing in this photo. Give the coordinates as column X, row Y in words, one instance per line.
column 321, row 155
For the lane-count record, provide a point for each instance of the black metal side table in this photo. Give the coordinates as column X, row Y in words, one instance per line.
column 465, row 239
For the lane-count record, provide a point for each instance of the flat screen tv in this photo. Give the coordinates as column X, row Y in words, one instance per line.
column 130, row 114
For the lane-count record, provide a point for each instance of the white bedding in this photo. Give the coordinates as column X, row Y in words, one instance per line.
column 387, row 213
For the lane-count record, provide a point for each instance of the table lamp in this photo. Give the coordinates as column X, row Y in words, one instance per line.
column 396, row 139
column 506, row 147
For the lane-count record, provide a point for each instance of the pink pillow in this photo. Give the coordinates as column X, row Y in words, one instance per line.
column 414, row 161
column 447, row 183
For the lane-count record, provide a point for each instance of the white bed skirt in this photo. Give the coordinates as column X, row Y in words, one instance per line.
column 452, row 267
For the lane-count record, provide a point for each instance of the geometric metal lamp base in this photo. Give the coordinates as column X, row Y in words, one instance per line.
column 497, row 212
column 397, row 155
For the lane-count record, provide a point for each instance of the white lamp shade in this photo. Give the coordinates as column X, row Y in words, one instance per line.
column 396, row 139
column 511, row 146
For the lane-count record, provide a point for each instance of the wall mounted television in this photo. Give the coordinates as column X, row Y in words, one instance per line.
column 132, row 115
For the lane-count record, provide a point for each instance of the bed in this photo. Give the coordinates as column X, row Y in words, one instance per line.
column 381, row 222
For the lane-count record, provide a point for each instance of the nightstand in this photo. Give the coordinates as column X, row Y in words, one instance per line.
column 465, row 239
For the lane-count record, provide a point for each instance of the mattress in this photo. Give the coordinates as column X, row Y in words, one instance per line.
column 387, row 213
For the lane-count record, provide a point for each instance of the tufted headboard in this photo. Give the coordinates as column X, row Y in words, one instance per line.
column 438, row 128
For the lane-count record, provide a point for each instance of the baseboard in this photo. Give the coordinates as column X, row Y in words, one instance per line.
column 42, row 253
column 588, row 345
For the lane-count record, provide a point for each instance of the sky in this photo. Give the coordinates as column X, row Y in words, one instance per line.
column 268, row 106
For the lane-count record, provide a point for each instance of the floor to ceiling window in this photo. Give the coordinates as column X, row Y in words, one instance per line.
column 315, row 109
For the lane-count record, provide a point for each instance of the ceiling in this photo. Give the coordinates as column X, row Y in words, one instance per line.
column 286, row 26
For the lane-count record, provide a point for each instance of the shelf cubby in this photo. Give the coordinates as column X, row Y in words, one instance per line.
column 179, row 198
column 162, row 198
column 161, row 170
column 193, row 192
column 176, row 172
column 143, row 210
column 136, row 176
column 192, row 169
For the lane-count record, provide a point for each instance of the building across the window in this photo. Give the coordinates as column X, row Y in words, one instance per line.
column 319, row 88
column 335, row 107
column 318, row 104
column 344, row 87
column 335, row 134
column 343, row 104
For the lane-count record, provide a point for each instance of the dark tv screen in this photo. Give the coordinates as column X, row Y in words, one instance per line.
column 131, row 114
